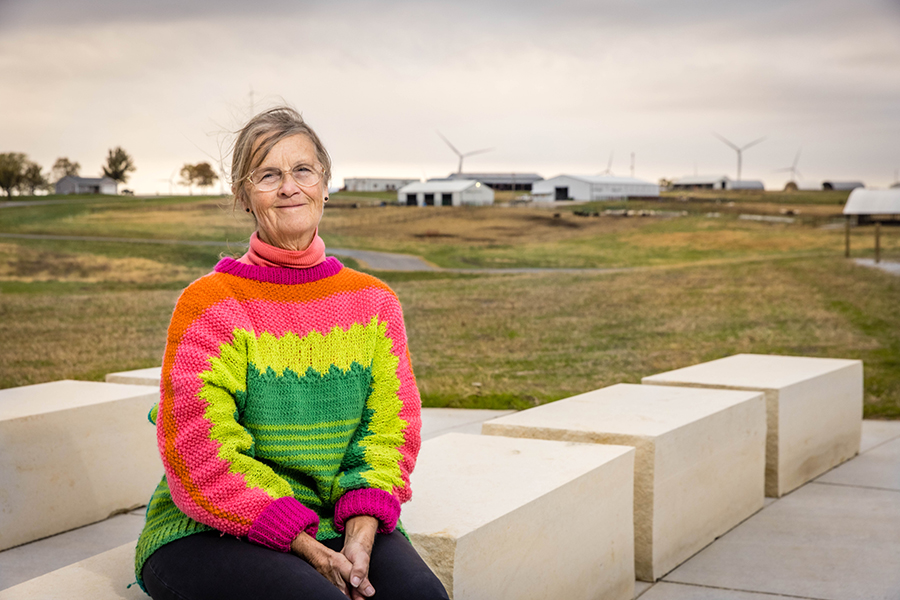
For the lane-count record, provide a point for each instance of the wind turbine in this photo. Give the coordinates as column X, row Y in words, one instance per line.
column 793, row 168
column 739, row 150
column 460, row 154
column 171, row 179
column 608, row 170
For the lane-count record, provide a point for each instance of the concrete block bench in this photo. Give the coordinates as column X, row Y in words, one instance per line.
column 73, row 453
column 512, row 518
column 102, row 577
column 814, row 406
column 149, row 376
column 699, row 463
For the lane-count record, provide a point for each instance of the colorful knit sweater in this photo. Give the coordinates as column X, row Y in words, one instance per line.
column 288, row 404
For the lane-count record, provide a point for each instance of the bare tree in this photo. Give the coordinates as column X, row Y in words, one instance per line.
column 118, row 164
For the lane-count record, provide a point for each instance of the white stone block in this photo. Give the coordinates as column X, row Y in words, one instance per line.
column 698, row 468
column 102, row 577
column 511, row 518
column 73, row 453
column 814, row 406
column 148, row 376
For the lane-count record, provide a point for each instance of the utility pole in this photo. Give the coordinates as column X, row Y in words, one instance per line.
column 632, row 165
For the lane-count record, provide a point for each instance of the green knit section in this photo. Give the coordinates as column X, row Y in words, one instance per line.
column 303, row 424
column 165, row 523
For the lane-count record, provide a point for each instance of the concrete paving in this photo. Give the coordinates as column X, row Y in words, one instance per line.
column 832, row 539
column 835, row 538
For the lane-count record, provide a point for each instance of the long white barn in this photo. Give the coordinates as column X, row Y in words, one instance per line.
column 375, row 184
column 592, row 187
column 441, row 192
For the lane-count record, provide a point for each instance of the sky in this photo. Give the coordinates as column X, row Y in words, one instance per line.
column 550, row 87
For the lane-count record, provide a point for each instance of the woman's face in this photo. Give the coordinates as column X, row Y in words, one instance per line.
column 288, row 216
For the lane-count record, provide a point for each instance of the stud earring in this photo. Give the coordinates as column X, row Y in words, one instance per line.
column 247, row 209
column 326, row 198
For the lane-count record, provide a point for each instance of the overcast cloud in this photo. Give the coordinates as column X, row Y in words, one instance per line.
column 552, row 88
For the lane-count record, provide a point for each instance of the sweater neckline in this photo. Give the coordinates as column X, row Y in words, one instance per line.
column 281, row 275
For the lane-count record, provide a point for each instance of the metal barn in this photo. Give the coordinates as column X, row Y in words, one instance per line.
column 375, row 184
column 454, row 192
column 592, row 187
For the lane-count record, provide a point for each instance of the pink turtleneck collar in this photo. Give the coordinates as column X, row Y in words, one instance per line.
column 262, row 254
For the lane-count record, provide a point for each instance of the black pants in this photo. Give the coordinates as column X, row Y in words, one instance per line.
column 207, row 565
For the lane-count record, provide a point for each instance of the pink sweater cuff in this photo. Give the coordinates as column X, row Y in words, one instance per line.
column 373, row 502
column 280, row 522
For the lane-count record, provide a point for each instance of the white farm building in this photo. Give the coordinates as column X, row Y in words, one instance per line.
column 375, row 184
column 443, row 192
column 715, row 182
column 592, row 187
column 71, row 184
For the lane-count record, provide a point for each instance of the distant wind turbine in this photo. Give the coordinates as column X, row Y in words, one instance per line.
column 608, row 170
column 739, row 150
column 793, row 168
column 171, row 181
column 462, row 155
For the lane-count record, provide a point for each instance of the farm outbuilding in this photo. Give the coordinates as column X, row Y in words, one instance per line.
column 446, row 192
column 869, row 206
column 87, row 185
column 375, row 184
column 592, row 187
column 844, row 186
column 745, row 184
column 502, row 181
column 701, row 182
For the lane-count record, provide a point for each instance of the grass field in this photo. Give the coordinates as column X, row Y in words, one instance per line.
column 700, row 287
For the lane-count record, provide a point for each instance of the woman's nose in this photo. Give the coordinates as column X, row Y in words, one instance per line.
column 288, row 185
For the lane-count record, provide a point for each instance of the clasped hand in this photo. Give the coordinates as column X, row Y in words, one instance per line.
column 348, row 569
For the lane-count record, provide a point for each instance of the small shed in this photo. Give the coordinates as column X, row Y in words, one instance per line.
column 844, row 186
column 375, row 184
column 444, row 192
column 592, row 187
column 87, row 185
column 870, row 206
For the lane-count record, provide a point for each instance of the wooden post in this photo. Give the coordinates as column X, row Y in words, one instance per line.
column 877, row 242
column 847, row 237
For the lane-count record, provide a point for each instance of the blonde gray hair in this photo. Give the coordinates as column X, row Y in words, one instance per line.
column 257, row 138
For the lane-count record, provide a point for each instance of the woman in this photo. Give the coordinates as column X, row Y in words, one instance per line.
column 289, row 419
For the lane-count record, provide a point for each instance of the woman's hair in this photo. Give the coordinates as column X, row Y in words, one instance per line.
column 257, row 138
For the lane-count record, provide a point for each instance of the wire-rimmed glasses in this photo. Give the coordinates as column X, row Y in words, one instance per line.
column 269, row 179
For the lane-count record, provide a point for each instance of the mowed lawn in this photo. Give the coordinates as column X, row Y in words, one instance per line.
column 702, row 287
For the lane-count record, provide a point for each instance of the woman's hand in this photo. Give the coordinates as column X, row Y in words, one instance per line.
column 334, row 566
column 359, row 535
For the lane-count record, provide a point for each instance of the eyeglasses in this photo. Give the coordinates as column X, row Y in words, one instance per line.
column 270, row 179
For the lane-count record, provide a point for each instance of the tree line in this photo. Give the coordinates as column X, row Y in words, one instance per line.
column 19, row 174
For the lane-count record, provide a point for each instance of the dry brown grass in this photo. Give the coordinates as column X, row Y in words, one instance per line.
column 530, row 338
column 26, row 264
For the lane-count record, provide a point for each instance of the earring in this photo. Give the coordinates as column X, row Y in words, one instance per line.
column 247, row 209
column 326, row 198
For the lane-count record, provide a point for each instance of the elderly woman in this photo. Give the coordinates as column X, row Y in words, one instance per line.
column 289, row 419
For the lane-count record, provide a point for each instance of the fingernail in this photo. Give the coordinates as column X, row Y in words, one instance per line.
column 355, row 581
column 369, row 591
